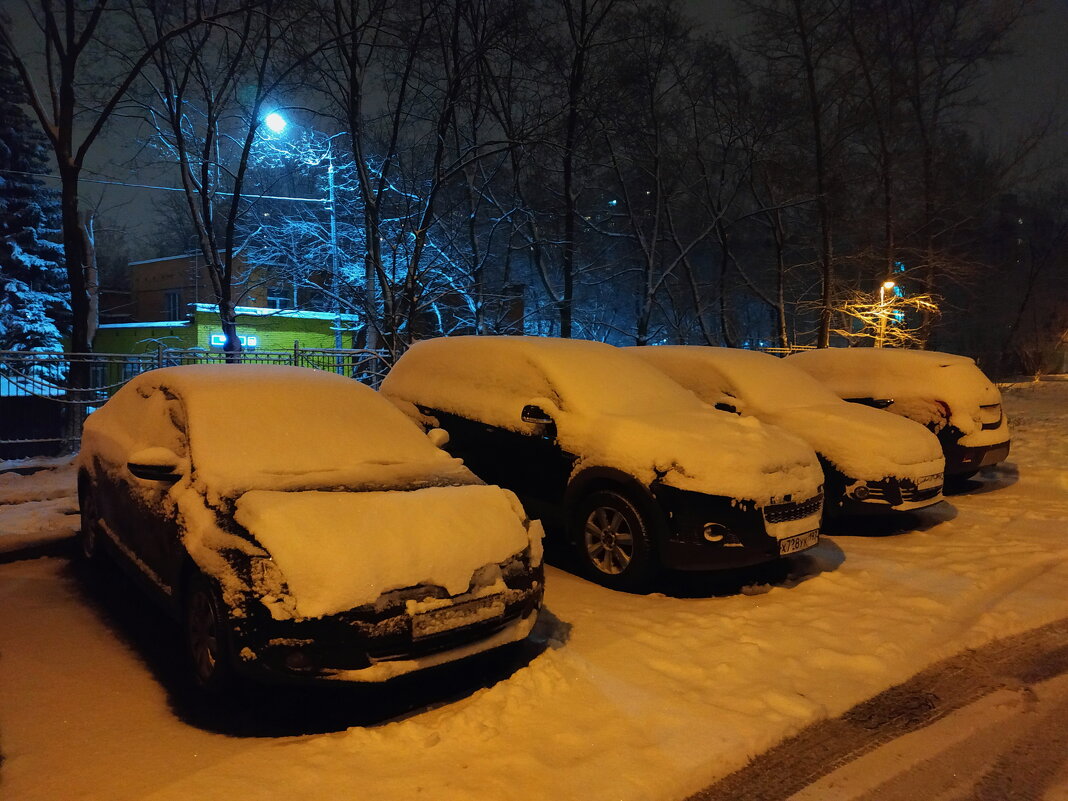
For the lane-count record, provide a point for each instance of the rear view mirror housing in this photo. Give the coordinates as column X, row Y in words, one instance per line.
column 541, row 413
column 156, row 464
column 438, row 436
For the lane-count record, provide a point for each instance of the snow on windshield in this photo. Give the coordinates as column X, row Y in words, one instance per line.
column 759, row 379
column 273, row 421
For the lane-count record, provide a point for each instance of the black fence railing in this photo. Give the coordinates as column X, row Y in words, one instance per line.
column 41, row 414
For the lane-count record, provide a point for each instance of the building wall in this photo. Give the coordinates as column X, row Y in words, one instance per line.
column 188, row 277
column 272, row 331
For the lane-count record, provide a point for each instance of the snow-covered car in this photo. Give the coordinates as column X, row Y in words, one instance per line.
column 301, row 527
column 948, row 394
column 872, row 461
column 634, row 469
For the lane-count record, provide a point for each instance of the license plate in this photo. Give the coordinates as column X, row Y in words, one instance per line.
column 798, row 542
column 993, row 456
column 457, row 616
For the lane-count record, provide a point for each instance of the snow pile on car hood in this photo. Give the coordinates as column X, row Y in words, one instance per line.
column 339, row 550
column 915, row 380
column 610, row 409
column 861, row 442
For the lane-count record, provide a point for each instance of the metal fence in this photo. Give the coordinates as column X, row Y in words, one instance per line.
column 40, row 415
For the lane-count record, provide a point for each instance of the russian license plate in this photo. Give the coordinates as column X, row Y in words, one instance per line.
column 457, row 616
column 798, row 542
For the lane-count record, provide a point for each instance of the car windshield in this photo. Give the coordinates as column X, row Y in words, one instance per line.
column 767, row 383
column 291, row 425
column 607, row 380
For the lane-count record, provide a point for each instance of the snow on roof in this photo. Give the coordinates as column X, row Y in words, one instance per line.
column 258, row 311
column 907, row 376
column 254, row 426
column 764, row 380
column 611, row 409
column 155, row 324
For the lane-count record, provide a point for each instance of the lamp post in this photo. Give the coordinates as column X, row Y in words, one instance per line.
column 883, row 313
column 277, row 123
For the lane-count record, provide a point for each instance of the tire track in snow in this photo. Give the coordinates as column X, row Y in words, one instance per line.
column 1014, row 662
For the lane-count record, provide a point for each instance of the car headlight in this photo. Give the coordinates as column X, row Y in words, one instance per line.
column 269, row 585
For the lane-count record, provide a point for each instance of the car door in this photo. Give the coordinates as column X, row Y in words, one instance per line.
column 146, row 508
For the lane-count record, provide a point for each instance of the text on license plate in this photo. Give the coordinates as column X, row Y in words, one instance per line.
column 799, row 542
column 457, row 616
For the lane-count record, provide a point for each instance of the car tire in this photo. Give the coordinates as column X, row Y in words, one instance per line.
column 89, row 531
column 207, row 636
column 614, row 540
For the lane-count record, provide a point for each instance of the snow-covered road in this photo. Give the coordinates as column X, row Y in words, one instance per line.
column 633, row 697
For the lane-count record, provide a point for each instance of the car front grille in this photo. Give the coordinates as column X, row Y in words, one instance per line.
column 785, row 512
column 912, row 494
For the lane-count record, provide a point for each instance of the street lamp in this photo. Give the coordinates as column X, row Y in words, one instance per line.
column 277, row 124
column 883, row 312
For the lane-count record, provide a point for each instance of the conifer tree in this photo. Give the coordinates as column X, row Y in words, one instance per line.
column 33, row 305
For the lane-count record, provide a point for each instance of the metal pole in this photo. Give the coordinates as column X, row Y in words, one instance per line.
column 334, row 279
column 882, row 317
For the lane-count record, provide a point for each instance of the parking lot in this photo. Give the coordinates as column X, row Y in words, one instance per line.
column 617, row 696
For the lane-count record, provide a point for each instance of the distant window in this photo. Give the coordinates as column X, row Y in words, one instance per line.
column 279, row 302
column 172, row 304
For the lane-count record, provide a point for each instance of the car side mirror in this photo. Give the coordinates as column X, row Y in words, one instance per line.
column 875, row 403
column 438, row 436
column 536, row 415
column 155, row 464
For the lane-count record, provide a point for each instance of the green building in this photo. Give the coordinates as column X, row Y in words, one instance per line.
column 260, row 329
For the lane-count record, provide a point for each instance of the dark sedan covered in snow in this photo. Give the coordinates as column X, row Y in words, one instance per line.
column 637, row 472
column 872, row 461
column 301, row 527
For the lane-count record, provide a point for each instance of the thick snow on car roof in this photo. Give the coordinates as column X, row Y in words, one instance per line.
column 613, row 410
column 765, row 380
column 269, row 425
column 905, row 376
column 479, row 376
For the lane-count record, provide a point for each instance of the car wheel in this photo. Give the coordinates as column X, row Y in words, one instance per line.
column 614, row 541
column 89, row 532
column 207, row 636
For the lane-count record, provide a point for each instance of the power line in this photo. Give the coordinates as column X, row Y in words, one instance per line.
column 163, row 188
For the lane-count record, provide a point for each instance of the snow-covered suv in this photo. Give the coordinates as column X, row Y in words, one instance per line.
column 635, row 469
column 872, row 461
column 949, row 394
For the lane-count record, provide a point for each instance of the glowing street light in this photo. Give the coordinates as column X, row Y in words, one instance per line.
column 884, row 312
column 275, row 121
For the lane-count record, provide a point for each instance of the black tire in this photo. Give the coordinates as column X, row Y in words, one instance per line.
column 614, row 541
column 207, row 636
column 89, row 531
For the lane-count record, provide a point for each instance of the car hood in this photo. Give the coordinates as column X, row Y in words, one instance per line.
column 340, row 550
column 863, row 443
column 708, row 451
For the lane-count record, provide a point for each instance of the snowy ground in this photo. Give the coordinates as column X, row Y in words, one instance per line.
column 632, row 697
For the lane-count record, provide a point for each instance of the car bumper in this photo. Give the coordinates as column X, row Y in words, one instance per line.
column 961, row 459
column 352, row 648
column 743, row 533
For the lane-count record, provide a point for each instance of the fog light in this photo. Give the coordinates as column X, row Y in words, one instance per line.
column 714, row 532
column 298, row 660
column 861, row 492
